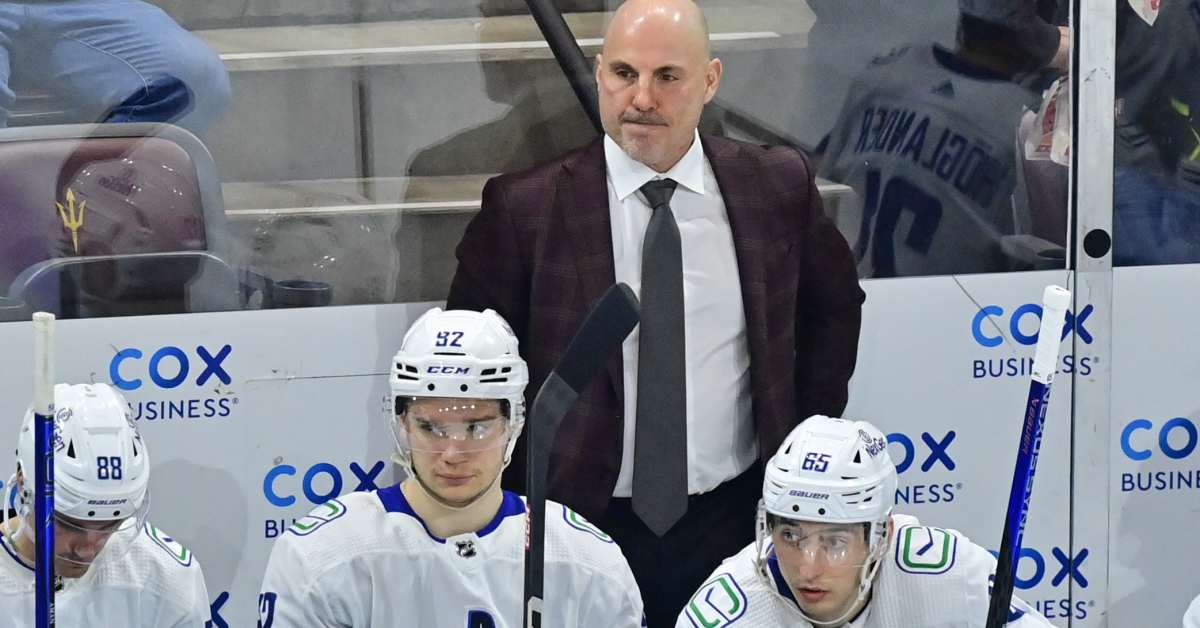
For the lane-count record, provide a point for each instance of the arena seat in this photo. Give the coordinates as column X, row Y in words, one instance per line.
column 111, row 220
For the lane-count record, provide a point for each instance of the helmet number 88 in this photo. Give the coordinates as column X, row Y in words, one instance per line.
column 108, row 468
column 815, row 462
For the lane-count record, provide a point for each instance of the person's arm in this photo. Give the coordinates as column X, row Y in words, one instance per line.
column 491, row 272
column 978, row 567
column 290, row 596
column 1062, row 57
column 828, row 310
column 198, row 612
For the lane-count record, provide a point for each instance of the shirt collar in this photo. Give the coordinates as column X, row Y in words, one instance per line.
column 627, row 175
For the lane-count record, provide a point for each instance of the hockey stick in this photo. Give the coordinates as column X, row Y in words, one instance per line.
column 43, row 475
column 606, row 326
column 1045, row 362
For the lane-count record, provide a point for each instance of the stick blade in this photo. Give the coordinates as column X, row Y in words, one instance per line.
column 606, row 326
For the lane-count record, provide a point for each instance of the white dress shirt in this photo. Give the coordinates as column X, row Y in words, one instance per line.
column 720, row 426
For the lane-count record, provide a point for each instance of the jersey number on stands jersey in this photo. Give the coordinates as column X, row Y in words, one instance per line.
column 108, row 468
column 884, row 203
column 480, row 619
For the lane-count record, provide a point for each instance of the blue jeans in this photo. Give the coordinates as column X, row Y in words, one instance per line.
column 112, row 61
column 1155, row 220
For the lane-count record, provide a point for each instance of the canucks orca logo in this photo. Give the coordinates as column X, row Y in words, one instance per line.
column 719, row 602
column 575, row 520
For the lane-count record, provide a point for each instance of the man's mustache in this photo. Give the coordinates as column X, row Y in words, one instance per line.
column 643, row 118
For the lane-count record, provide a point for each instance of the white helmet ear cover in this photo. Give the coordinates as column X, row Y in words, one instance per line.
column 460, row 354
column 101, row 464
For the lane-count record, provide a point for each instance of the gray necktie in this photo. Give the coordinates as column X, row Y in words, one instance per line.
column 660, row 440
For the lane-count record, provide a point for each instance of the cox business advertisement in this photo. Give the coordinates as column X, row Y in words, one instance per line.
column 1154, row 453
column 255, row 418
column 943, row 369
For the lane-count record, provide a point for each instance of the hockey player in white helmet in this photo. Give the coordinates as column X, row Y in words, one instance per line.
column 445, row 547
column 113, row 567
column 830, row 553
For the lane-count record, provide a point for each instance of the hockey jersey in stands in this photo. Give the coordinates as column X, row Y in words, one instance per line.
column 367, row 559
column 930, row 578
column 929, row 145
column 154, row 582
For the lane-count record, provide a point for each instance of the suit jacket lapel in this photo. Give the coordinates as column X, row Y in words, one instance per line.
column 584, row 208
column 745, row 206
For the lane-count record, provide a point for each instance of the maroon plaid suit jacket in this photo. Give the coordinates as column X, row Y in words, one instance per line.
column 540, row 253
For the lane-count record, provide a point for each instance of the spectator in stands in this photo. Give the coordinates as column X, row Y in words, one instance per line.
column 927, row 139
column 1156, row 218
column 750, row 304
column 111, row 61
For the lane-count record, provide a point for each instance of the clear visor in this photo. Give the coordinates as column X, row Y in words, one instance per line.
column 820, row 546
column 447, row 426
column 79, row 542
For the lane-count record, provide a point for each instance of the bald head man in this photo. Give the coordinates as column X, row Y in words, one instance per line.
column 548, row 240
column 655, row 74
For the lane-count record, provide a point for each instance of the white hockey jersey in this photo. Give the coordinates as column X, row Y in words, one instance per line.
column 367, row 559
column 930, row 578
column 1191, row 619
column 154, row 582
column 929, row 146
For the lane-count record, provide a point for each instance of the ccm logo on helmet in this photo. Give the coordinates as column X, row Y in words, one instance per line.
column 170, row 366
column 449, row 370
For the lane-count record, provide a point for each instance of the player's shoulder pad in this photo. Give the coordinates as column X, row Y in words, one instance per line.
column 720, row 601
column 576, row 523
column 926, row 550
column 322, row 515
column 164, row 542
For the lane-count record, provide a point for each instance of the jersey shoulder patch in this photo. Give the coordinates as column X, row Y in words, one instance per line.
column 925, row 550
column 719, row 602
column 576, row 521
column 321, row 515
column 181, row 554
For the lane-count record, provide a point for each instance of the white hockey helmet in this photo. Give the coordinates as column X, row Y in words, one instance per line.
column 101, row 465
column 460, row 354
column 835, row 471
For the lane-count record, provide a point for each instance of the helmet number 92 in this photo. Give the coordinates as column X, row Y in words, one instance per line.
column 449, row 339
column 814, row 461
column 108, row 468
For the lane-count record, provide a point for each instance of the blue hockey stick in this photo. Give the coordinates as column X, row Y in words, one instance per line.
column 43, row 474
column 1045, row 362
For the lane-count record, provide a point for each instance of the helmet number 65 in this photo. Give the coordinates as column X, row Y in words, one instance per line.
column 815, row 462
